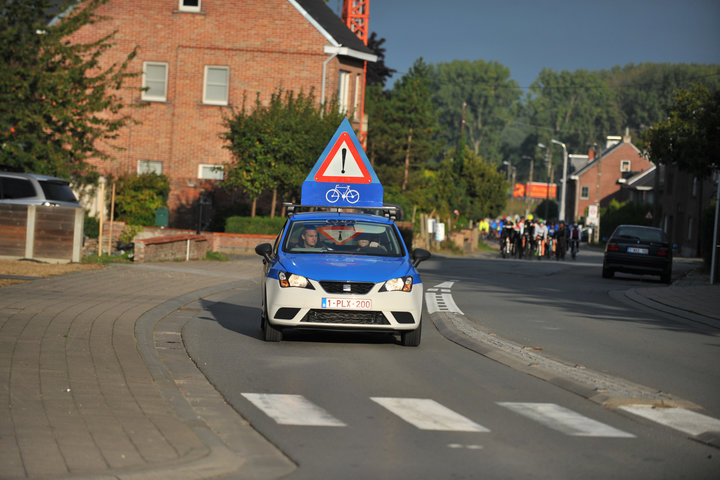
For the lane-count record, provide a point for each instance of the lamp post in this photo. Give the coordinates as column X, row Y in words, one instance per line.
column 547, row 181
column 564, row 179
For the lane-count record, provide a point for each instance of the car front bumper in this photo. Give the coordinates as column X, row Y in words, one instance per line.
column 317, row 309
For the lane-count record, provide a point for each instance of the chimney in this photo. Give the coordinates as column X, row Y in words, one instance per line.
column 626, row 138
column 612, row 140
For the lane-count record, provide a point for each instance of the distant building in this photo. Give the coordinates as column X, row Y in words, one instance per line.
column 199, row 58
column 682, row 203
column 601, row 179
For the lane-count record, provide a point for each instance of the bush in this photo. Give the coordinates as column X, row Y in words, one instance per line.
column 91, row 226
column 256, row 225
column 627, row 213
column 139, row 196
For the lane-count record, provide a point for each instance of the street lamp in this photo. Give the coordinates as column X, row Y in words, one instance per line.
column 564, row 178
column 547, row 181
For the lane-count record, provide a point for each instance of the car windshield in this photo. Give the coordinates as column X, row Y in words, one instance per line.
column 642, row 234
column 347, row 237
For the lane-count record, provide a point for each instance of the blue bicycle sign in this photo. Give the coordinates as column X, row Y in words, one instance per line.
column 344, row 192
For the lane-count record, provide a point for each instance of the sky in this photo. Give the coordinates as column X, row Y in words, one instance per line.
column 529, row 35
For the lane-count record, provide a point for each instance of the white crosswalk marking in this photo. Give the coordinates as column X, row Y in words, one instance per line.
column 565, row 420
column 686, row 421
column 427, row 414
column 292, row 410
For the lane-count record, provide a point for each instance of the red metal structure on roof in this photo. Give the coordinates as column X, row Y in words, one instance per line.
column 355, row 14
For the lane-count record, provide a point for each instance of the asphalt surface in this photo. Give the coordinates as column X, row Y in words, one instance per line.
column 96, row 382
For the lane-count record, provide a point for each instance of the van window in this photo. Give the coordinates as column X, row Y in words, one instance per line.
column 58, row 191
column 16, row 188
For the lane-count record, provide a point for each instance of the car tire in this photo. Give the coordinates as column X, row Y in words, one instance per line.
column 411, row 338
column 607, row 273
column 270, row 333
column 666, row 276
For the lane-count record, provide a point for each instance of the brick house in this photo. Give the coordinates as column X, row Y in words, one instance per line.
column 199, row 58
column 602, row 178
column 682, row 201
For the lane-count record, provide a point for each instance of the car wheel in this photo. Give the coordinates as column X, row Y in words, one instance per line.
column 607, row 273
column 666, row 276
column 270, row 333
column 411, row 338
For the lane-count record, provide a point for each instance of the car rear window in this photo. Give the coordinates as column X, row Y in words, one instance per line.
column 58, row 191
column 642, row 234
column 16, row 188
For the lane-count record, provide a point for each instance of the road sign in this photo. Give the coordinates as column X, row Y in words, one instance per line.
column 343, row 176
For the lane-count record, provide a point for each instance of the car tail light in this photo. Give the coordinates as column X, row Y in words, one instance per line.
column 663, row 252
column 613, row 247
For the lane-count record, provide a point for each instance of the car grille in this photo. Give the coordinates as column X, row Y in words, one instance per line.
column 345, row 317
column 358, row 288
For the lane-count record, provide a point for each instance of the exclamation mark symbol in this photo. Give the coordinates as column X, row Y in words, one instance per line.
column 344, row 152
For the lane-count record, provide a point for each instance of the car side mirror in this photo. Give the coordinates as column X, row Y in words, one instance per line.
column 264, row 250
column 419, row 255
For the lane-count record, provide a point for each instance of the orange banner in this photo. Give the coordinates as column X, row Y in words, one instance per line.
column 535, row 190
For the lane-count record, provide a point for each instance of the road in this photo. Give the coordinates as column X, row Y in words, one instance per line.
column 467, row 403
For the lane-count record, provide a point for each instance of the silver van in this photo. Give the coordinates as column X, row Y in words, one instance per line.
column 34, row 189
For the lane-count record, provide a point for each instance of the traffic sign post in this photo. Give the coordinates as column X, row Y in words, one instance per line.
column 343, row 176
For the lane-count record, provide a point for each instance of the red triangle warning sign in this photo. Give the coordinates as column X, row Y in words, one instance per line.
column 343, row 164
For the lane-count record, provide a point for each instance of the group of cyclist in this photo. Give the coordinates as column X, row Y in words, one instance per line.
column 533, row 238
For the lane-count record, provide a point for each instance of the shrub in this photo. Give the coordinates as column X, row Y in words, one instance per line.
column 91, row 226
column 139, row 196
column 256, row 225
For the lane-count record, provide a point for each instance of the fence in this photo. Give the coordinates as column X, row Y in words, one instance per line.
column 50, row 234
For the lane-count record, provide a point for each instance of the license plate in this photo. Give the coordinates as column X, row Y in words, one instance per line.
column 347, row 303
column 637, row 250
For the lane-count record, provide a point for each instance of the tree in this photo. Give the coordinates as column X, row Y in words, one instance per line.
column 476, row 99
column 577, row 108
column 403, row 125
column 58, row 104
column 275, row 146
column 690, row 135
column 377, row 72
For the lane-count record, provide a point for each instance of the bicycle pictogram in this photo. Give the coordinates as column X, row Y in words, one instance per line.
column 344, row 192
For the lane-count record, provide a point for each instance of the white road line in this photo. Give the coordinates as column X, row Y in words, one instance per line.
column 292, row 410
column 427, row 414
column 686, row 421
column 565, row 420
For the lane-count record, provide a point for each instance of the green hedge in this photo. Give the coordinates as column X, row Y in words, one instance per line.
column 257, row 225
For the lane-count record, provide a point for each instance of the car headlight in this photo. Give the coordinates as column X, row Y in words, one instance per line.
column 288, row 279
column 398, row 284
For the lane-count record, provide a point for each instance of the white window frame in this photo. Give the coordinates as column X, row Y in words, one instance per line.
column 149, row 166
column 189, row 8
column 625, row 165
column 584, row 193
column 208, row 101
column 343, row 91
column 356, row 102
column 146, row 94
column 209, row 171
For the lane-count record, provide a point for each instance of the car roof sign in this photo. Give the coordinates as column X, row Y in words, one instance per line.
column 343, row 176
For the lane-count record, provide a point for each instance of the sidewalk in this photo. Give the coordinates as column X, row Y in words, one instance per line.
column 96, row 384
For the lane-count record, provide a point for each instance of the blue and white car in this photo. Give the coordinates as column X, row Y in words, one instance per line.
column 332, row 270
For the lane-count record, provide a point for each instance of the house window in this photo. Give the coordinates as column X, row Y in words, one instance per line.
column 344, row 91
column 189, row 6
column 356, row 103
column 625, row 165
column 149, row 166
column 584, row 193
column 215, row 88
column 154, row 81
column 211, row 172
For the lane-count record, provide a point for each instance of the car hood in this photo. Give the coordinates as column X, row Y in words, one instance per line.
column 347, row 268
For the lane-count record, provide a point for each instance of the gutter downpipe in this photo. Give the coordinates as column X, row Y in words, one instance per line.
column 713, row 263
column 324, row 69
